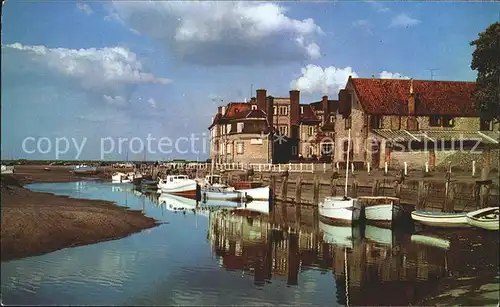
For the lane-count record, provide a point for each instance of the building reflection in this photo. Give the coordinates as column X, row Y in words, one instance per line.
column 373, row 266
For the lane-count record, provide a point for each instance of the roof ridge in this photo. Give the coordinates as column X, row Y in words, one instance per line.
column 427, row 80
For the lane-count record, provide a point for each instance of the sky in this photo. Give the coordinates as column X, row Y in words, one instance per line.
column 78, row 77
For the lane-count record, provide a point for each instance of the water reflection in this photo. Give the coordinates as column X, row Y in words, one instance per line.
column 238, row 254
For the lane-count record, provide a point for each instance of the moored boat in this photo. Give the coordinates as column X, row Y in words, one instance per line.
column 84, row 169
column 119, row 178
column 339, row 210
column 486, row 218
column 381, row 210
column 261, row 193
column 441, row 219
column 179, row 185
column 213, row 193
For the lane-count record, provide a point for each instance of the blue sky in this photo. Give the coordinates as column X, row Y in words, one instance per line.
column 127, row 69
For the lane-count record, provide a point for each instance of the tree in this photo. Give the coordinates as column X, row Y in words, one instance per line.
column 486, row 60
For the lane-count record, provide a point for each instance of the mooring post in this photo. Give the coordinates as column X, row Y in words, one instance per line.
column 298, row 190
column 333, row 183
column 376, row 188
column 284, row 185
column 473, row 168
column 273, row 187
column 447, row 205
column 354, row 190
column 420, row 195
column 315, row 191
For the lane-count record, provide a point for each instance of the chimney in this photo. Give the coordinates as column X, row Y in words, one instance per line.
column 261, row 100
column 219, row 110
column 269, row 110
column 344, row 103
column 324, row 104
column 294, row 107
column 411, row 123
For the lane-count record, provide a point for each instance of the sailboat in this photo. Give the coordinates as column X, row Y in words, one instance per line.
column 343, row 210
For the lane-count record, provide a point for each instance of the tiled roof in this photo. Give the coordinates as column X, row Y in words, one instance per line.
column 308, row 115
column 434, row 135
column 389, row 96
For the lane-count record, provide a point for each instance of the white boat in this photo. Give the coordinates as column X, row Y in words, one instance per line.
column 179, row 185
column 344, row 236
column 213, row 181
column 431, row 241
column 84, row 168
column 261, row 193
column 486, row 218
column 7, row 169
column 339, row 210
column 380, row 235
column 441, row 219
column 120, row 178
column 381, row 210
column 214, row 193
column 177, row 203
column 256, row 206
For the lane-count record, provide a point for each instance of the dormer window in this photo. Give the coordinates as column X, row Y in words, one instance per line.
column 254, row 107
column 332, row 118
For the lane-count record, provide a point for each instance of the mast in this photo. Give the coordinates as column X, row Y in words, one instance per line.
column 347, row 162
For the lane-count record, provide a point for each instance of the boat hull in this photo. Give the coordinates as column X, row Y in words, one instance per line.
column 182, row 189
column 486, row 218
column 257, row 206
column 339, row 211
column 383, row 215
column 261, row 193
column 441, row 220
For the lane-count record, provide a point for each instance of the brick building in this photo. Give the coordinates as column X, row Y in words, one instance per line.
column 272, row 129
column 413, row 121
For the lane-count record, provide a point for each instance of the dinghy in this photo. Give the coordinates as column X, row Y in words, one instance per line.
column 486, row 218
column 381, row 210
column 441, row 219
column 340, row 210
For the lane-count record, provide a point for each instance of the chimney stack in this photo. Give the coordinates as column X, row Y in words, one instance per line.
column 324, row 104
column 294, row 107
column 262, row 100
column 269, row 111
column 219, row 110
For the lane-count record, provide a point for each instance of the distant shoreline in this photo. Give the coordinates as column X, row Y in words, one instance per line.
column 36, row 223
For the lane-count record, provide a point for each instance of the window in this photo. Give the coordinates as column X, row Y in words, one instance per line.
column 326, row 149
column 348, row 122
column 228, row 149
column 441, row 121
column 320, row 118
column 275, row 110
column 228, row 127
column 396, row 122
column 254, row 107
column 486, row 125
column 310, row 130
column 283, row 110
column 239, row 127
column 376, row 122
column 332, row 118
column 239, row 148
column 283, row 130
column 311, row 150
column 301, row 110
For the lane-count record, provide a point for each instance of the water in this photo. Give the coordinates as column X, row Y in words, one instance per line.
column 212, row 257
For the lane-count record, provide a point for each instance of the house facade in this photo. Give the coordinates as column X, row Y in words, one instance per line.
column 395, row 121
column 272, row 129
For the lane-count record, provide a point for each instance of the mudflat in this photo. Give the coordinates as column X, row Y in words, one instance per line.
column 35, row 223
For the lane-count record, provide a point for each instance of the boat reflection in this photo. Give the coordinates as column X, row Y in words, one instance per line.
column 364, row 262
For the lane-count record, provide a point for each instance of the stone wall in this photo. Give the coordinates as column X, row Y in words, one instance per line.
column 252, row 153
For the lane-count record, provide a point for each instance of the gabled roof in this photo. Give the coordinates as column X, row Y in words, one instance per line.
column 308, row 115
column 390, row 96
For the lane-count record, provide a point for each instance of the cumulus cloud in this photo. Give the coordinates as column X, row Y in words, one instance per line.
column 106, row 71
column 328, row 81
column 222, row 33
column 390, row 75
column 83, row 7
column 403, row 20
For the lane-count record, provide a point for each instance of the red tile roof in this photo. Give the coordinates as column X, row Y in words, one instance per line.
column 308, row 116
column 389, row 96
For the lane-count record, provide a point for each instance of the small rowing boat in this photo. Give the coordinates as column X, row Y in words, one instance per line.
column 441, row 219
column 486, row 218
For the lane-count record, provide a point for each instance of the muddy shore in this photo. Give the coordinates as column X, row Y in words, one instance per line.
column 35, row 223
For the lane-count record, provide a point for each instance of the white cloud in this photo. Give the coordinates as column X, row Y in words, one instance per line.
column 222, row 33
column 328, row 81
column 84, row 8
column 390, row 75
column 152, row 102
column 403, row 20
column 107, row 71
column 378, row 6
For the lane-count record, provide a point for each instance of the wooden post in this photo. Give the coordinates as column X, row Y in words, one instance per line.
column 315, row 191
column 447, row 207
column 284, row 186
column 354, row 189
column 473, row 168
column 420, row 196
column 397, row 190
column 376, row 188
column 298, row 190
column 333, row 183
column 273, row 187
